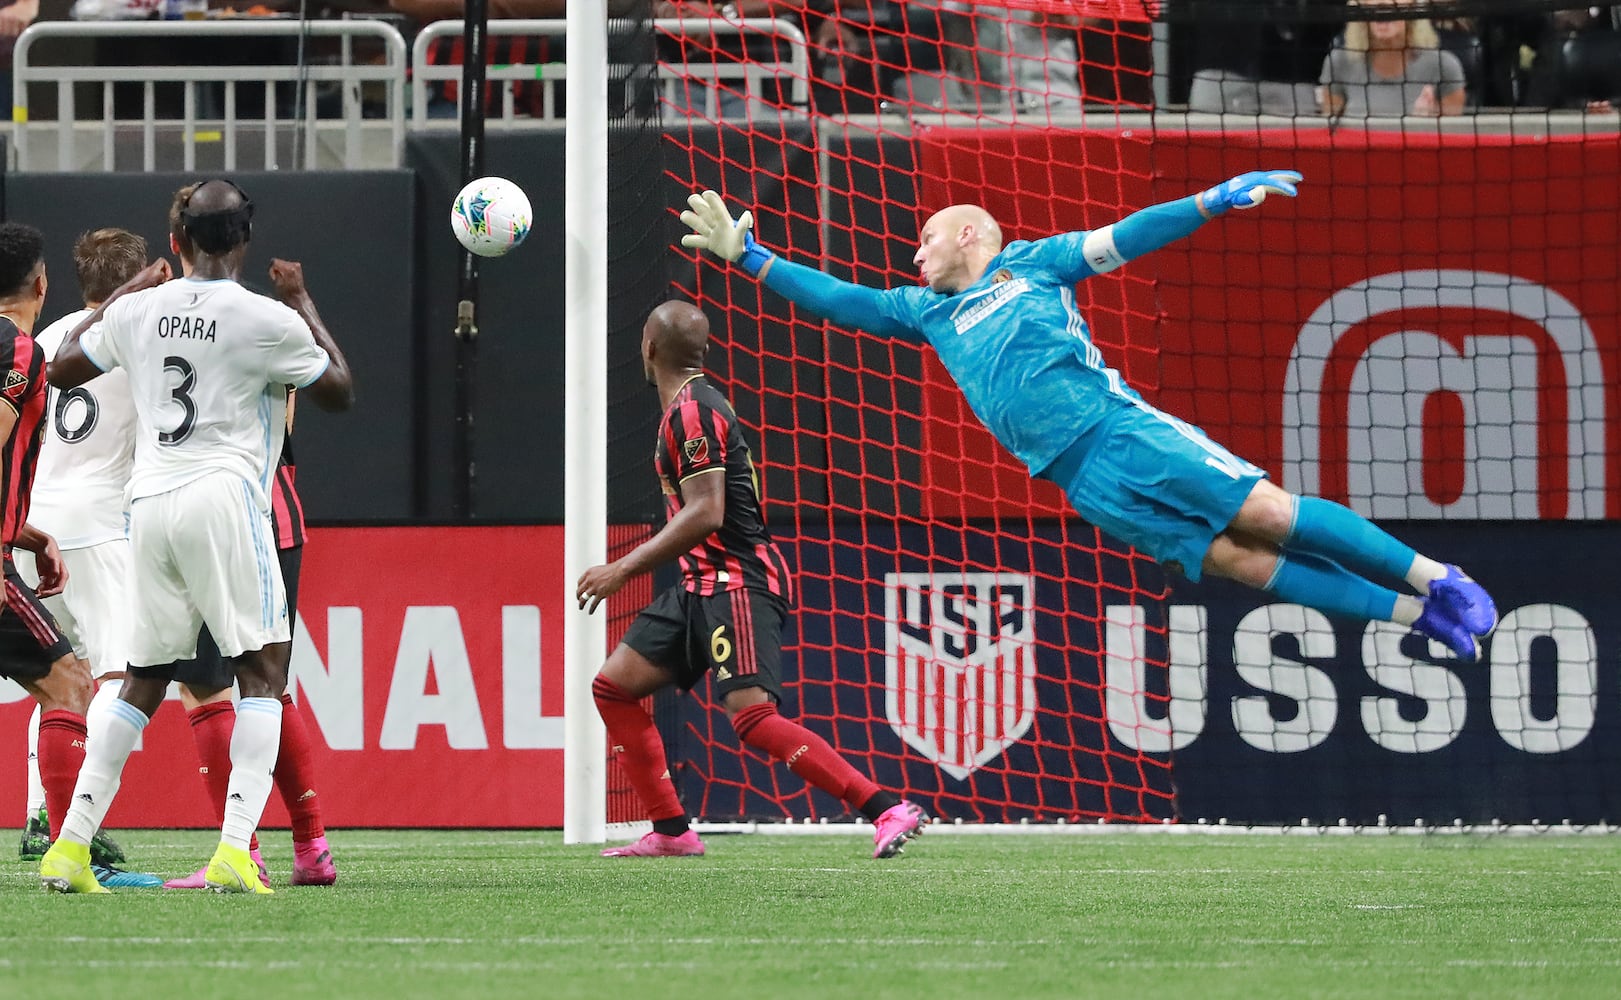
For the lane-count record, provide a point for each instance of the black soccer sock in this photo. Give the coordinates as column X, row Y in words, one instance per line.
column 880, row 803
column 671, row 827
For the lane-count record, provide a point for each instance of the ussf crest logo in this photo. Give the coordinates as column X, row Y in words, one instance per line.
column 959, row 664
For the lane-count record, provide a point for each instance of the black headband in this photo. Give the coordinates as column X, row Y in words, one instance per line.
column 219, row 231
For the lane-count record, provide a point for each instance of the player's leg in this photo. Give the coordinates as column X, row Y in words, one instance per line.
column 225, row 555
column 1333, row 532
column 36, row 823
column 295, row 763
column 743, row 632
column 648, row 659
column 206, row 683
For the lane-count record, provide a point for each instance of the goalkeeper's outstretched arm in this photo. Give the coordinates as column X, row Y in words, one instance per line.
column 841, row 302
column 1142, row 232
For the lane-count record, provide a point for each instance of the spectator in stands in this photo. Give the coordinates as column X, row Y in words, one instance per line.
column 1391, row 68
column 1002, row 59
column 14, row 17
column 443, row 101
column 1572, row 59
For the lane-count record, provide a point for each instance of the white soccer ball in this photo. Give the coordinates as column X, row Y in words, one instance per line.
column 490, row 216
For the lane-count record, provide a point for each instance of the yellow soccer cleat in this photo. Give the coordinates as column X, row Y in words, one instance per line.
column 232, row 869
column 66, row 868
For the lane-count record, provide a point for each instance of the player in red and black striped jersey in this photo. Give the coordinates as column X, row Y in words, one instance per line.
column 33, row 650
column 725, row 616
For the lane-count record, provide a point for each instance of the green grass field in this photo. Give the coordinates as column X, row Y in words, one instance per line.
column 499, row 914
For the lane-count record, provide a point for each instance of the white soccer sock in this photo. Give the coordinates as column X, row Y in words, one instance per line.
column 1424, row 572
column 36, row 788
column 1408, row 609
column 108, row 691
column 112, row 729
column 255, row 742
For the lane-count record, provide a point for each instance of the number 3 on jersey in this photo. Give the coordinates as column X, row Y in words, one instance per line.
column 181, row 394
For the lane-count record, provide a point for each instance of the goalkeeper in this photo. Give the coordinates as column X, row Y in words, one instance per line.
column 1004, row 322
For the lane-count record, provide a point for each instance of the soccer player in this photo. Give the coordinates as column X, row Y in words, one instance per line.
column 33, row 650
column 209, row 366
column 78, row 497
column 1004, row 323
column 726, row 614
column 205, row 692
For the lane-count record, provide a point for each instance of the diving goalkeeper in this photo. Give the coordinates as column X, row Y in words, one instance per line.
column 1004, row 322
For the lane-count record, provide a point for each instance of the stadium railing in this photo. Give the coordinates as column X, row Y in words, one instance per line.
column 709, row 80
column 355, row 136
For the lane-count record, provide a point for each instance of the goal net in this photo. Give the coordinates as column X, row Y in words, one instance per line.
column 1427, row 335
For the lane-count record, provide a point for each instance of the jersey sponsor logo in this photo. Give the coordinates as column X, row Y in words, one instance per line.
column 989, row 302
column 696, row 450
column 960, row 664
column 1448, row 394
column 16, row 384
column 664, row 484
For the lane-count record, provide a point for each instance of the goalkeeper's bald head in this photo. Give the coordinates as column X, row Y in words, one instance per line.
column 674, row 339
column 955, row 246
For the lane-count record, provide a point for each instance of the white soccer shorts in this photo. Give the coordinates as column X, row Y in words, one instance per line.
column 93, row 610
column 203, row 553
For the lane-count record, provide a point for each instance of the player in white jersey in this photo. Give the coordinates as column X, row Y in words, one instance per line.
column 78, row 496
column 209, row 364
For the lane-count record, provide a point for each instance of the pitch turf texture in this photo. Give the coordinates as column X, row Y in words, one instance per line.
column 505, row 914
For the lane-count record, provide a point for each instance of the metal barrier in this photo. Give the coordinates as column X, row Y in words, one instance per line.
column 675, row 78
column 77, row 142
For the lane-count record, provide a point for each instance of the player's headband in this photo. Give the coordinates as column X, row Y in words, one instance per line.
column 220, row 231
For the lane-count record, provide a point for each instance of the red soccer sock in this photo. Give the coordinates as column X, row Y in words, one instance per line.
column 61, row 752
column 635, row 739
column 211, row 727
column 806, row 754
column 295, row 775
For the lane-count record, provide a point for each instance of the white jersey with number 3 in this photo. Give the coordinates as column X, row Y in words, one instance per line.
column 209, row 366
column 84, row 462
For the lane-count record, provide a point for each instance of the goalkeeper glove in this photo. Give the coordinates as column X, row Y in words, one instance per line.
column 1247, row 190
column 713, row 229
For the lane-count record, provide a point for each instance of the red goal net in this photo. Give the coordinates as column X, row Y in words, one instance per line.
column 1428, row 335
column 951, row 619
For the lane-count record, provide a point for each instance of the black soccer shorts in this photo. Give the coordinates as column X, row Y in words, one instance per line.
column 737, row 635
column 30, row 638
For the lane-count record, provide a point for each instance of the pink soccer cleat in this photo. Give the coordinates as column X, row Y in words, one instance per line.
column 198, row 879
column 657, row 845
column 312, row 863
column 896, row 826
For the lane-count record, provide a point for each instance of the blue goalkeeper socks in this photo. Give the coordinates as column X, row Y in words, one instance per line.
column 1330, row 587
column 1338, row 533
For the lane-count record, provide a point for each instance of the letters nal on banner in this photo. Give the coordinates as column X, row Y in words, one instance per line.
column 428, row 664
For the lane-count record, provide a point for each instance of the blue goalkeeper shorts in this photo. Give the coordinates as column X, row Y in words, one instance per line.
column 1156, row 483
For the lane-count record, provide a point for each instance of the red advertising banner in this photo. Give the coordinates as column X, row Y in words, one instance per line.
column 1431, row 331
column 428, row 663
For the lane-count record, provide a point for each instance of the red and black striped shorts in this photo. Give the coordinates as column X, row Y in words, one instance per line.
column 736, row 635
column 30, row 639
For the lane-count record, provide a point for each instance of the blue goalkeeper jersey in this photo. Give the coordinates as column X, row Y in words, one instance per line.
column 1018, row 348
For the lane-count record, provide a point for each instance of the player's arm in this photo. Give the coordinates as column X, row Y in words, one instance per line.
column 703, row 509
column 48, row 561
column 1083, row 254
column 73, row 364
column 334, row 389
column 841, row 302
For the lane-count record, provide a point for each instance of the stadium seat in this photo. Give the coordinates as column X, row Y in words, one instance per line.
column 1590, row 67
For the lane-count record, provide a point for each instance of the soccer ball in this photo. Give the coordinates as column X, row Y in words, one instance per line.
column 490, row 216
